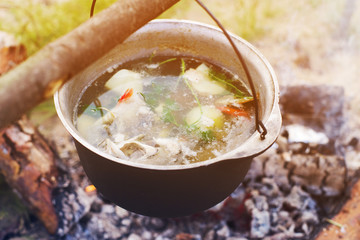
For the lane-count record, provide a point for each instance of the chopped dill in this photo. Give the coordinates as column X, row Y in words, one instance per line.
column 167, row 114
column 334, row 223
column 152, row 98
column 166, row 61
column 103, row 108
column 152, row 56
column 205, row 136
column 222, row 78
column 183, row 67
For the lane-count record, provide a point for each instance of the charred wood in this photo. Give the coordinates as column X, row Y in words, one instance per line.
column 28, row 164
column 26, row 160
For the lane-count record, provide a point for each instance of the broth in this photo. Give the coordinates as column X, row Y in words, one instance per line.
column 166, row 111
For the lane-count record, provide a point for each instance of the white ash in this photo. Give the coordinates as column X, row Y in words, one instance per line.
column 286, row 193
column 300, row 133
column 260, row 224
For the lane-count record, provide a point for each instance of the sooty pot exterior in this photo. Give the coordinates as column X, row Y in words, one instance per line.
column 163, row 193
column 170, row 191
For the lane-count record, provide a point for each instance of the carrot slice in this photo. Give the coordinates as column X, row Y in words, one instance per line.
column 128, row 93
column 233, row 111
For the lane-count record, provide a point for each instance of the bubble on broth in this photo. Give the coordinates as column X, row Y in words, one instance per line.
column 166, row 111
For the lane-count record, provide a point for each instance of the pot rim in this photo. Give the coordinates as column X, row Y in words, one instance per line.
column 274, row 110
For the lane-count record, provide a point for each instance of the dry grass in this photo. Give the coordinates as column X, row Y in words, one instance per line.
column 248, row 19
column 36, row 23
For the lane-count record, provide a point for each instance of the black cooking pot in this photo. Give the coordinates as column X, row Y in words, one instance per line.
column 169, row 191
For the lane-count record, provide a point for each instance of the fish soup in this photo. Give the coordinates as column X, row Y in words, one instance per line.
column 166, row 111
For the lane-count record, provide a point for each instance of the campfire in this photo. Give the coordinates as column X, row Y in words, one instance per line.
column 291, row 191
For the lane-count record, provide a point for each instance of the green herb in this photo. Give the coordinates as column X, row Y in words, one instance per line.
column 156, row 97
column 245, row 99
column 207, row 136
column 143, row 95
column 158, row 88
column 168, row 109
column 183, row 67
column 103, row 108
column 334, row 223
column 166, row 61
column 222, row 78
column 152, row 56
column 152, row 99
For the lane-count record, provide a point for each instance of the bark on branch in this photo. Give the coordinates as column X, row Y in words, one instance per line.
column 42, row 74
column 28, row 165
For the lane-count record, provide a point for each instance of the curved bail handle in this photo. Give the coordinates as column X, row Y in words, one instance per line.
column 260, row 127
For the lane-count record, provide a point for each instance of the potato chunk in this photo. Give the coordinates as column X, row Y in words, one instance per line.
column 210, row 118
column 123, row 80
column 200, row 80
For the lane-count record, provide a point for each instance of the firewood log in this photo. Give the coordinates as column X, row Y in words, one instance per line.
column 26, row 160
column 28, row 164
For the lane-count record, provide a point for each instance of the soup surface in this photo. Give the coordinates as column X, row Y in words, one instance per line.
column 166, row 111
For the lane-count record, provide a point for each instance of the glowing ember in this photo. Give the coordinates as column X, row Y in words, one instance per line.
column 90, row 188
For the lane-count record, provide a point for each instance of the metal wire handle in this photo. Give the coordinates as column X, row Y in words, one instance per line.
column 260, row 127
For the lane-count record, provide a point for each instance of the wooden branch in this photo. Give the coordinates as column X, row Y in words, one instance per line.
column 42, row 74
column 11, row 56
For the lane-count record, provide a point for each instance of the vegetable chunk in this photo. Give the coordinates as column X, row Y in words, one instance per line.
column 206, row 118
column 201, row 81
column 167, row 111
column 125, row 79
